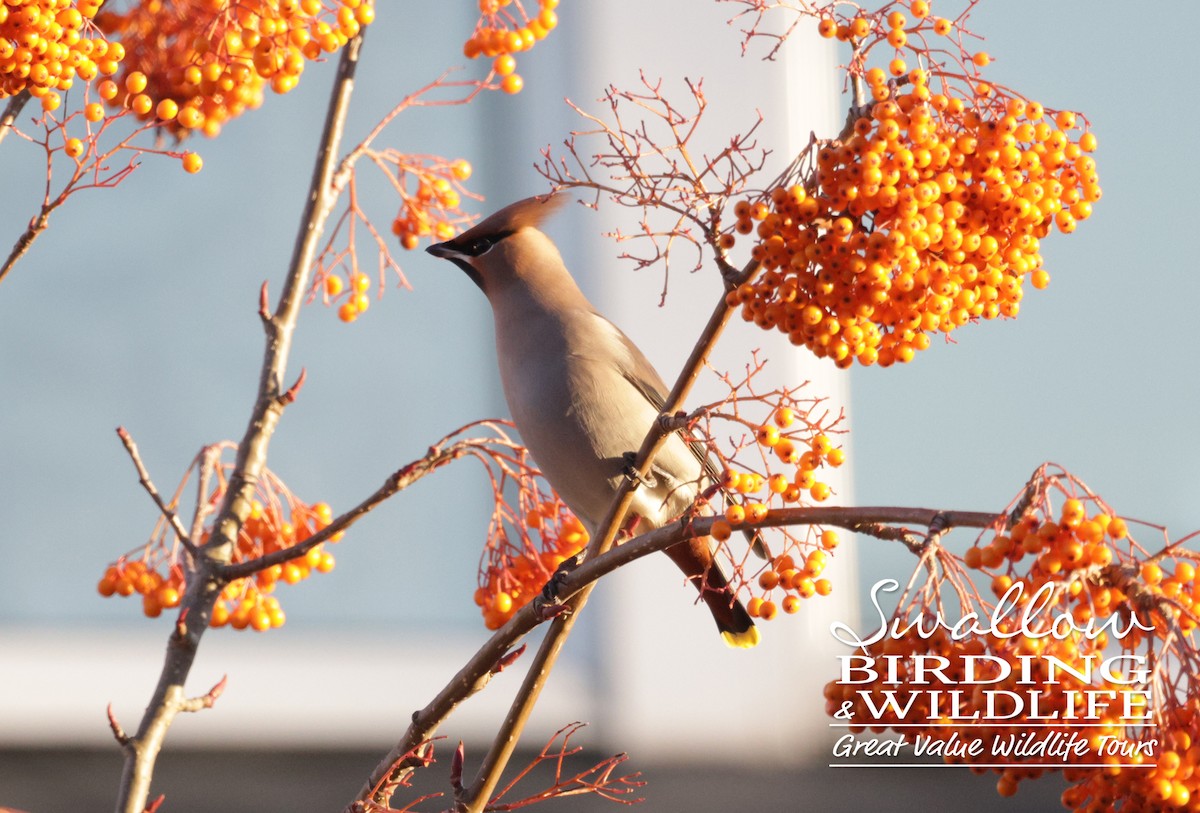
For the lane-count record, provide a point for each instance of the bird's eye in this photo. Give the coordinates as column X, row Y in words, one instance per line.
column 480, row 246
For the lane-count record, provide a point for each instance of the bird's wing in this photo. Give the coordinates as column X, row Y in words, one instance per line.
column 642, row 375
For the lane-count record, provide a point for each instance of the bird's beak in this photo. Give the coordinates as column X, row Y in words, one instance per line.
column 444, row 251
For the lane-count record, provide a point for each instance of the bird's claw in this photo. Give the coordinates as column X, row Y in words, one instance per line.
column 633, row 474
column 550, row 590
column 546, row 612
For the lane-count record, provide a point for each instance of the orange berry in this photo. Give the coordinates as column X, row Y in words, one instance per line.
column 768, row 579
column 767, row 435
column 141, row 104
column 504, row 64
column 461, row 169
column 512, row 83
column 973, row 558
column 333, row 285
column 192, row 163
column 721, row 530
column 135, row 82
column 166, row 110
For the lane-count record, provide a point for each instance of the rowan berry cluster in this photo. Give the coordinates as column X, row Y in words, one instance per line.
column 160, row 570
column 205, row 62
column 795, row 580
column 500, row 34
column 510, row 575
column 431, row 192
column 248, row 602
column 1069, row 587
column 795, row 437
column 926, row 216
column 46, row 44
column 433, row 209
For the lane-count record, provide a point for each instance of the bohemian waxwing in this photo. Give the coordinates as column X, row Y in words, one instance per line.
column 582, row 395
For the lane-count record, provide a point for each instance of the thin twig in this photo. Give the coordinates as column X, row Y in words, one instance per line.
column 434, row 459
column 148, row 484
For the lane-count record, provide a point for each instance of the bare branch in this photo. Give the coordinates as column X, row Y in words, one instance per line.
column 435, row 458
column 204, row 589
column 148, row 484
column 11, row 111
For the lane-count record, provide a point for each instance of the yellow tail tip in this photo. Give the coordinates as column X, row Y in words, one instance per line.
column 741, row 640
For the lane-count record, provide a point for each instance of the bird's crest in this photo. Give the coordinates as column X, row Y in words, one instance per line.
column 530, row 212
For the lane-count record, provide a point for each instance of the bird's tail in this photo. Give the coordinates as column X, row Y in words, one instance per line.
column 694, row 557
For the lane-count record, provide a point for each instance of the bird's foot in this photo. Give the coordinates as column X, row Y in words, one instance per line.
column 633, row 474
column 547, row 602
column 549, row 594
column 547, row 612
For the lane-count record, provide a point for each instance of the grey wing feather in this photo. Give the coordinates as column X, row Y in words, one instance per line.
column 649, row 383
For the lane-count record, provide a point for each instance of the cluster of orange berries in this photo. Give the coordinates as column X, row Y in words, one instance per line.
column 357, row 300
column 894, row 29
column 1173, row 783
column 510, row 577
column 788, row 436
column 248, row 602
column 1073, row 550
column 925, row 217
column 159, row 575
column 783, row 438
column 499, row 36
column 158, row 591
column 207, row 61
column 433, row 209
column 796, row 580
column 928, row 217
column 45, row 44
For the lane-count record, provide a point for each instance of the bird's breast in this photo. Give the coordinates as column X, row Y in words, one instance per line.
column 578, row 414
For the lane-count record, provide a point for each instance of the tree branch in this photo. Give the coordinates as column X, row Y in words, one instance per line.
column 141, row 750
column 410, row 754
column 434, row 459
column 11, row 111
column 148, row 484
